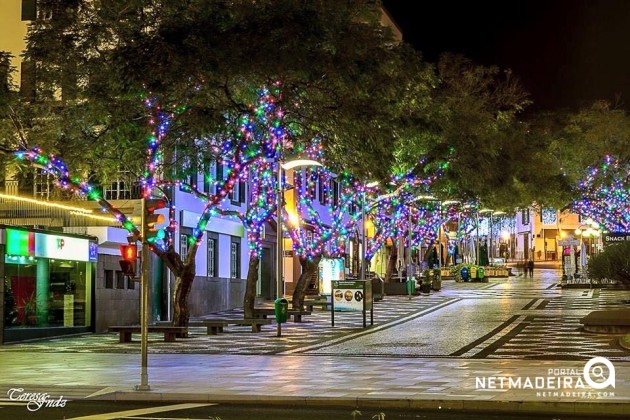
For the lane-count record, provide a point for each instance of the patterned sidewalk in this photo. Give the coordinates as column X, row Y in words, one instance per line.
column 513, row 318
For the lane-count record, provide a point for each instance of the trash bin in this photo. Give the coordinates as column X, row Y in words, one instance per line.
column 378, row 288
column 465, row 273
column 473, row 273
column 426, row 282
column 481, row 273
column 410, row 286
column 281, row 309
column 436, row 280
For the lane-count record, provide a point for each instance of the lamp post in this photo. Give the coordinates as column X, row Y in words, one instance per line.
column 279, row 199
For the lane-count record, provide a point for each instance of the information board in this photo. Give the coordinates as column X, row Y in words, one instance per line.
column 352, row 296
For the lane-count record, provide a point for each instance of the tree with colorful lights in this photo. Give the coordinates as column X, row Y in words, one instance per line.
column 247, row 139
column 261, row 207
column 604, row 194
column 322, row 230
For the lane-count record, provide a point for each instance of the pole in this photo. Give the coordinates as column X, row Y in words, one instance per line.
column 409, row 280
column 439, row 238
column 144, row 306
column 490, row 252
column 477, row 241
column 362, row 274
column 279, row 268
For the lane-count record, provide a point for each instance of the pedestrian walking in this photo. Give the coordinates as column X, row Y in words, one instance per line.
column 530, row 268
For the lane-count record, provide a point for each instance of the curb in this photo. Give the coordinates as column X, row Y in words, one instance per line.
column 617, row 409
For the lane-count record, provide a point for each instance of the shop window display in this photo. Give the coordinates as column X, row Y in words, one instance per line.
column 46, row 292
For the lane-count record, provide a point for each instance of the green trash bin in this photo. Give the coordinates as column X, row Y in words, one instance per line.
column 436, row 281
column 281, row 309
column 481, row 273
column 410, row 286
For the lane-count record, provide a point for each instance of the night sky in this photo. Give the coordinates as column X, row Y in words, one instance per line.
column 567, row 53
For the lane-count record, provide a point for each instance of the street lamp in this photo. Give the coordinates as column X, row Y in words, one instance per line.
column 279, row 246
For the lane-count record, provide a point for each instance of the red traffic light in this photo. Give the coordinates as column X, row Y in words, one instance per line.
column 152, row 204
column 129, row 252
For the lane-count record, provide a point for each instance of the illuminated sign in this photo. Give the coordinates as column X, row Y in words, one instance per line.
column 63, row 247
column 330, row 269
column 20, row 242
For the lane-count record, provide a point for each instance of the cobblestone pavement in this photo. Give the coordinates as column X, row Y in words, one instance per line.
column 515, row 318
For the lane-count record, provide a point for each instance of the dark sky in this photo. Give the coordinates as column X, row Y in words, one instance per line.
column 567, row 53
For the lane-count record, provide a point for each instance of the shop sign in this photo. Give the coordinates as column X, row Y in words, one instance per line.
column 613, row 238
column 20, row 242
column 62, row 247
column 330, row 269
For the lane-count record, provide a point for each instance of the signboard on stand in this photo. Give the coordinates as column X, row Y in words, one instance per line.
column 352, row 296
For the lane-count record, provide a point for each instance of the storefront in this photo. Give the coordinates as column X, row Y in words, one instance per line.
column 48, row 285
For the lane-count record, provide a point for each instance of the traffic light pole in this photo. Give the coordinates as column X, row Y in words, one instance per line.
column 144, row 304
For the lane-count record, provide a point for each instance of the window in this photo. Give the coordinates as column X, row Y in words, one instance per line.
column 525, row 216
column 210, row 178
column 323, row 190
column 119, row 189
column 120, row 280
column 235, row 258
column 212, row 256
column 235, row 194
column 29, row 9
column 42, row 184
column 335, row 192
column 109, row 279
column 190, row 171
column 183, row 246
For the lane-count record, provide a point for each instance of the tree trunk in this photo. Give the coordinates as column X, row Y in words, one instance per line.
column 309, row 267
column 183, row 286
column 250, row 287
column 391, row 263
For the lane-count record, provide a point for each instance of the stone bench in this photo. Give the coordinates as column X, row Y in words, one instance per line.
column 215, row 326
column 263, row 313
column 170, row 332
column 614, row 321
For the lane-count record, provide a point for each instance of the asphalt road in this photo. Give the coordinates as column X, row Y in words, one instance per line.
column 109, row 410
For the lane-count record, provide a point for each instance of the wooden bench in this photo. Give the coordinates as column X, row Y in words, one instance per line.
column 213, row 327
column 216, row 325
column 170, row 332
column 263, row 313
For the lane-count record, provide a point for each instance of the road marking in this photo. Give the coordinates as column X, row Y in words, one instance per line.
column 107, row 390
column 141, row 411
column 390, row 324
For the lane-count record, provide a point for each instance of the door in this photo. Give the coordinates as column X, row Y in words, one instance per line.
column 266, row 280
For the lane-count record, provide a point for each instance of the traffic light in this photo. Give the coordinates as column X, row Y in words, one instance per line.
column 151, row 219
column 129, row 253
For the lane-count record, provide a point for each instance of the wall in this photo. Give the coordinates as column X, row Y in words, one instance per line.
column 12, row 32
column 215, row 294
column 114, row 306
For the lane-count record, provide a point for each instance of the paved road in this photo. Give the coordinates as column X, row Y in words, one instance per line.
column 515, row 318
